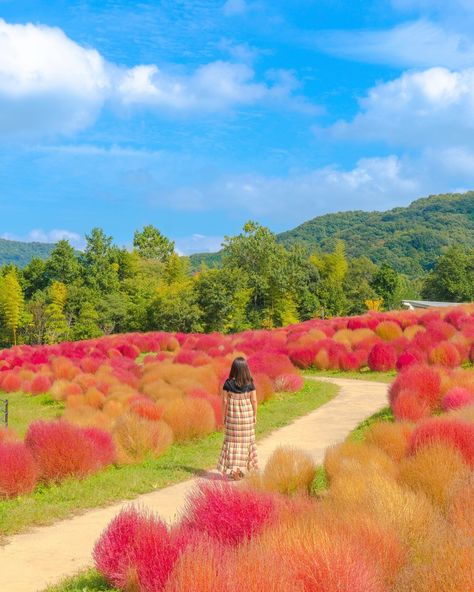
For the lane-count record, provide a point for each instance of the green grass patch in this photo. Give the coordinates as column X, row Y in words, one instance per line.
column 358, row 434
column 181, row 461
column 364, row 374
column 23, row 409
column 89, row 581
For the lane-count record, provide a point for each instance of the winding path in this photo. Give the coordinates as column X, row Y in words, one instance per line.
column 32, row 561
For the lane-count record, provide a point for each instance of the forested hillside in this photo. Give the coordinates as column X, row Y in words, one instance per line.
column 410, row 239
column 20, row 253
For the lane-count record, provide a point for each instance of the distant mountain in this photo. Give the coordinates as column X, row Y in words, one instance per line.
column 409, row 238
column 21, row 253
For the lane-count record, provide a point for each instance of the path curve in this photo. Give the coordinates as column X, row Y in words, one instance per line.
column 46, row 555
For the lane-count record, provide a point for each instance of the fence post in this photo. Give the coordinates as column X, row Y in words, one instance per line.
column 5, row 411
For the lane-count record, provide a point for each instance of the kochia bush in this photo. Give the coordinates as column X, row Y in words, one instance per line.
column 18, row 470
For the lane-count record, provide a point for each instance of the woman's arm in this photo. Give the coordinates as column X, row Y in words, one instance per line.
column 224, row 405
column 253, row 398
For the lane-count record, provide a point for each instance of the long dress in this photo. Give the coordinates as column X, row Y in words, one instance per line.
column 238, row 450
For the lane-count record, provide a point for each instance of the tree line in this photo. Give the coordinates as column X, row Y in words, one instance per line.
column 260, row 284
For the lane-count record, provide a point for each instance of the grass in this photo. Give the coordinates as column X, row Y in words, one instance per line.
column 181, row 461
column 23, row 409
column 364, row 374
column 89, row 581
column 358, row 434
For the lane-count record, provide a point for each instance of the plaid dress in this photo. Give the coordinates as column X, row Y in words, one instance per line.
column 239, row 450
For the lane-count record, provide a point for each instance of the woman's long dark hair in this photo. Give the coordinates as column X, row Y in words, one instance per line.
column 240, row 372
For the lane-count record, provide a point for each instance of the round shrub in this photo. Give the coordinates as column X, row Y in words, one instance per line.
column 388, row 330
column 288, row 383
column 61, row 450
column 457, row 397
column 445, row 354
column 227, row 514
column 407, row 406
column 18, row 470
column 382, row 357
column 11, row 383
column 457, row 433
column 135, row 552
column 289, row 471
column 40, row 384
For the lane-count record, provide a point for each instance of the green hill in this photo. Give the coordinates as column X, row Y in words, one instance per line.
column 409, row 238
column 21, row 253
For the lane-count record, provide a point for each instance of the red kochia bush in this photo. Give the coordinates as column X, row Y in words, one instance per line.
column 382, row 357
column 103, row 444
column 135, row 552
column 408, row 407
column 61, row 450
column 18, row 470
column 454, row 432
column 422, row 381
column 457, row 397
column 11, row 383
column 226, row 513
column 40, row 384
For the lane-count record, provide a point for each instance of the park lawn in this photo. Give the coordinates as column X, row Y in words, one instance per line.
column 25, row 408
column 181, row 461
column 91, row 581
column 364, row 374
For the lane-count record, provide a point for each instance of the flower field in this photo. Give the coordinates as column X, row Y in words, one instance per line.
column 130, row 396
column 398, row 515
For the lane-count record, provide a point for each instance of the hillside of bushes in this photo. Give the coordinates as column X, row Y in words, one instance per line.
column 410, row 238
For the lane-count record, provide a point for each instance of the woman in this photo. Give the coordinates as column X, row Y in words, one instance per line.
column 239, row 410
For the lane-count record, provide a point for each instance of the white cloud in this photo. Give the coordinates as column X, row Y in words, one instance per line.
column 235, row 7
column 419, row 44
column 371, row 184
column 39, row 235
column 51, row 85
column 48, row 83
column 432, row 107
column 215, row 86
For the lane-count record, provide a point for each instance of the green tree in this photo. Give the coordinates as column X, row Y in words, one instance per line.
column 63, row 265
column 175, row 308
column 100, row 265
column 256, row 254
column 151, row 244
column 357, row 285
column 86, row 325
column 386, row 283
column 332, row 268
column 34, row 276
column 452, row 278
column 11, row 303
column 56, row 323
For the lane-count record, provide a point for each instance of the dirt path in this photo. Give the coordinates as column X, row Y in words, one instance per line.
column 46, row 555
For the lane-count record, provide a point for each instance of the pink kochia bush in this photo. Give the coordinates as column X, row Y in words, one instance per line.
column 227, row 514
column 136, row 552
column 382, row 357
column 18, row 470
column 63, row 450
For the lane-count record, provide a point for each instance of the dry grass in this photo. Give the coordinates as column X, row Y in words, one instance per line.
column 434, row 470
column 136, row 438
column 189, row 418
column 289, row 471
column 359, row 456
column 392, row 438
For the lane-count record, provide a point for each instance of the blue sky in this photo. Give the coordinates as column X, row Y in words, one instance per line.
column 196, row 116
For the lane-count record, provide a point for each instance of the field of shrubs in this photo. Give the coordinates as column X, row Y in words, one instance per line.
column 130, row 396
column 398, row 515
